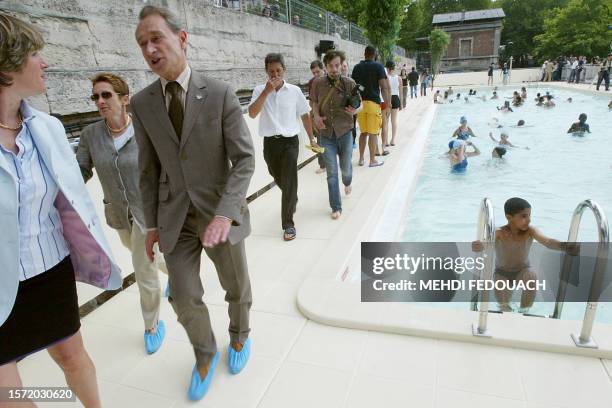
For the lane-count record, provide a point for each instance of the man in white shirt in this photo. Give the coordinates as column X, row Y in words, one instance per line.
column 574, row 69
column 282, row 106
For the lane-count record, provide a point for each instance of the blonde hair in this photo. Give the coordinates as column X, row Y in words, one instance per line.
column 119, row 85
column 18, row 39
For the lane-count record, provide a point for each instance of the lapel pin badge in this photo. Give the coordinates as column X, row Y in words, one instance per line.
column 198, row 96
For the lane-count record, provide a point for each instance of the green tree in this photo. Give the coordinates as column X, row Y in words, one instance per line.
column 524, row 20
column 438, row 43
column 382, row 23
column 348, row 9
column 579, row 28
column 413, row 26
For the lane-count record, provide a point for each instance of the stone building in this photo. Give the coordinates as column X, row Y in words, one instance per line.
column 475, row 38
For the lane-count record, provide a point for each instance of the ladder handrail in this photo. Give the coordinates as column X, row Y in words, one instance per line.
column 584, row 339
column 486, row 234
column 604, row 237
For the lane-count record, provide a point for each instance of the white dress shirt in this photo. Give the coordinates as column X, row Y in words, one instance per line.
column 41, row 240
column 282, row 111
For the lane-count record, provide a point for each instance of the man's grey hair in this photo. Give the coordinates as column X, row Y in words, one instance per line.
column 174, row 23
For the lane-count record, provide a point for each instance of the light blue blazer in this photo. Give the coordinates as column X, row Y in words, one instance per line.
column 90, row 254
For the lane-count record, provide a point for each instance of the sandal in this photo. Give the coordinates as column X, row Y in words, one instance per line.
column 289, row 234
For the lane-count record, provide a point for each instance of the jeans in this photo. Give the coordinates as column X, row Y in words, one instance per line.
column 423, row 89
column 572, row 76
column 343, row 147
column 413, row 91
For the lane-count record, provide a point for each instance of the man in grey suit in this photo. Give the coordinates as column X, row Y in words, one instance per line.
column 196, row 159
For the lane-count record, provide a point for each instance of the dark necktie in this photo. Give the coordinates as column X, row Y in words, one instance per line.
column 175, row 110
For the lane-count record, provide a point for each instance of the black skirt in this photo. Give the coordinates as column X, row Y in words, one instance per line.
column 46, row 310
column 395, row 102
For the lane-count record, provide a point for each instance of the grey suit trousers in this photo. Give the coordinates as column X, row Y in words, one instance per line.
column 186, row 288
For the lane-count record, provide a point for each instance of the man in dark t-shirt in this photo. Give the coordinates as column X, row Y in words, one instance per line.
column 413, row 80
column 371, row 75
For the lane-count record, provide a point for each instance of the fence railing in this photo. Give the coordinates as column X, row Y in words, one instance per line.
column 299, row 13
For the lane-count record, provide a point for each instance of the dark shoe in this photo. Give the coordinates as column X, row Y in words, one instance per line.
column 289, row 234
column 386, row 152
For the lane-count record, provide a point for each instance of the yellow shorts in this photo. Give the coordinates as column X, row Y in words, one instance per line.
column 370, row 118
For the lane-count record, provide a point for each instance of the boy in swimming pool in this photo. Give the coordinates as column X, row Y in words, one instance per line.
column 504, row 140
column 498, row 152
column 505, row 108
column 512, row 245
column 495, row 96
column 581, row 126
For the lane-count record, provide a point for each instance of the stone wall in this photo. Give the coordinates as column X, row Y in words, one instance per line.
column 88, row 36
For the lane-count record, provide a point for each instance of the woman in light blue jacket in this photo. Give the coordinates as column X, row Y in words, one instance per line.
column 50, row 234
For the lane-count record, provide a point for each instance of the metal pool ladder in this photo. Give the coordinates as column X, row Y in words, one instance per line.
column 485, row 234
column 584, row 339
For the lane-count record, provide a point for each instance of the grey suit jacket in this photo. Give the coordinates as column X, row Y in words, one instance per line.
column 210, row 167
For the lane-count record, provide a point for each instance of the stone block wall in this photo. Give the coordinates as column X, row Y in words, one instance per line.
column 84, row 37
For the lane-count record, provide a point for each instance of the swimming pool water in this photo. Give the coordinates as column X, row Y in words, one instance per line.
column 556, row 173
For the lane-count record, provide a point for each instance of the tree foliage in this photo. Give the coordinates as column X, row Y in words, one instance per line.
column 579, row 28
column 438, row 43
column 348, row 9
column 524, row 20
column 382, row 23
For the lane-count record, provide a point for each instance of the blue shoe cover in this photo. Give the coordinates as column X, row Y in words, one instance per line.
column 153, row 341
column 237, row 360
column 198, row 388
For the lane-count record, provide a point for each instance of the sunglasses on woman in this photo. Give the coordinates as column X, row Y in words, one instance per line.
column 105, row 94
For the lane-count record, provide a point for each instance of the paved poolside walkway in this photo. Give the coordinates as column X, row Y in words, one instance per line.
column 299, row 363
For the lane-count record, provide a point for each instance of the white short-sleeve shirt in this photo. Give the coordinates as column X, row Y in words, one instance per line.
column 282, row 111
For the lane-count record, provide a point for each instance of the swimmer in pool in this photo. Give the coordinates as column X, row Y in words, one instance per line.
column 463, row 132
column 569, row 100
column 520, row 123
column 498, row 152
column 494, row 123
column 437, row 96
column 506, row 108
column 458, row 155
column 610, row 105
column 581, row 126
column 466, row 99
column 495, row 96
column 523, row 93
column 540, row 101
column 549, row 103
column 504, row 140
column 512, row 245
column 537, row 98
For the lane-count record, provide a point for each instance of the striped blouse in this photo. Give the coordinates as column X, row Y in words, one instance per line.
column 41, row 240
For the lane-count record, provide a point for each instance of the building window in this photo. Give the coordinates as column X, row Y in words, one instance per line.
column 465, row 47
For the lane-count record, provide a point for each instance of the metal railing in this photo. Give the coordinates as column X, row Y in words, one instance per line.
column 302, row 14
column 584, row 339
column 486, row 234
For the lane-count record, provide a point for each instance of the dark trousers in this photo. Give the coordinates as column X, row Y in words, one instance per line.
column 605, row 77
column 578, row 74
column 281, row 155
